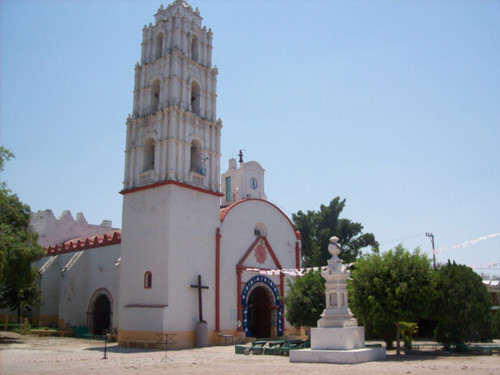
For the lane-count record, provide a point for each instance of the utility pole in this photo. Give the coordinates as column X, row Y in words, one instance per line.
column 431, row 236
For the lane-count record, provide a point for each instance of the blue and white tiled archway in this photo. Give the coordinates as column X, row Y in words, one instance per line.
column 251, row 284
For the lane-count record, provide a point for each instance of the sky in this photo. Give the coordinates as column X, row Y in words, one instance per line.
column 391, row 105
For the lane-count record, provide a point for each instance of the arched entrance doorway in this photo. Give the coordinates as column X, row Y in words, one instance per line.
column 259, row 313
column 99, row 312
column 102, row 315
column 262, row 311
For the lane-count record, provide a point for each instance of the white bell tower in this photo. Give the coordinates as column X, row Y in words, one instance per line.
column 173, row 133
column 171, row 190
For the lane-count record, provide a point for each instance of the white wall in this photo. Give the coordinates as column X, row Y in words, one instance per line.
column 52, row 230
column 95, row 269
column 237, row 231
column 169, row 231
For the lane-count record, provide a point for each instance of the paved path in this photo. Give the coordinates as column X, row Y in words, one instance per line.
column 54, row 356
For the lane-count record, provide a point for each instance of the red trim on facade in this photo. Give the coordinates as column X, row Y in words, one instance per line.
column 217, row 279
column 298, row 248
column 282, row 301
column 251, row 248
column 85, row 243
column 297, row 255
column 238, row 298
column 225, row 210
column 171, row 182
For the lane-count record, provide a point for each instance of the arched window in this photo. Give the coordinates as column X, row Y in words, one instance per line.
column 194, row 48
column 148, row 280
column 159, row 46
column 195, row 98
column 155, row 96
column 149, row 155
column 197, row 158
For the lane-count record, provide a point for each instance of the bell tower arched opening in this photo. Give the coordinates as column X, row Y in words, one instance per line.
column 159, row 46
column 194, row 48
column 149, row 155
column 196, row 98
column 155, row 96
column 197, row 158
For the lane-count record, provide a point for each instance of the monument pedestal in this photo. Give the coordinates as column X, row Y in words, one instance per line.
column 346, row 338
column 338, row 339
column 338, row 356
column 338, row 345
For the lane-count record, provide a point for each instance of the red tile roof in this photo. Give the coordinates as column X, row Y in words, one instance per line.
column 85, row 243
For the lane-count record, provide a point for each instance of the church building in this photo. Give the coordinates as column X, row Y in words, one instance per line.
column 195, row 247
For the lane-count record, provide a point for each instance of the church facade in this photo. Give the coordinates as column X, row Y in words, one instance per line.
column 194, row 248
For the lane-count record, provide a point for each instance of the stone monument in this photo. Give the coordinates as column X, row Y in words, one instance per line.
column 338, row 339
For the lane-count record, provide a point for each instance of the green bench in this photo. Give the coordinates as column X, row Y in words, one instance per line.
column 292, row 345
column 256, row 347
column 274, row 347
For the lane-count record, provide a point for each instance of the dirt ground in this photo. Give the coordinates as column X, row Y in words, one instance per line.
column 54, row 355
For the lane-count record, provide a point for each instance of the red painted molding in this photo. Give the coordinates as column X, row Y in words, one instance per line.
column 250, row 249
column 225, row 211
column 298, row 248
column 297, row 255
column 171, row 182
column 282, row 293
column 217, row 280
column 85, row 243
column 238, row 298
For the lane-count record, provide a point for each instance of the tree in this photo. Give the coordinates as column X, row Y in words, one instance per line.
column 461, row 304
column 305, row 300
column 317, row 227
column 18, row 250
column 390, row 288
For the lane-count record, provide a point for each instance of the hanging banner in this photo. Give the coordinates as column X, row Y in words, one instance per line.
column 465, row 244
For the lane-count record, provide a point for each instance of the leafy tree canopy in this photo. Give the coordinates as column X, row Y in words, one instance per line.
column 391, row 288
column 305, row 300
column 317, row 227
column 18, row 249
column 461, row 304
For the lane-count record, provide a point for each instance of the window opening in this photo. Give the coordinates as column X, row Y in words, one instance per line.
column 194, row 49
column 148, row 280
column 197, row 161
column 159, row 46
column 228, row 189
column 155, row 96
column 195, row 98
column 149, row 155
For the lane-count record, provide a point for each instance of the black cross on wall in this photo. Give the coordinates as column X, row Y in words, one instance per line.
column 200, row 306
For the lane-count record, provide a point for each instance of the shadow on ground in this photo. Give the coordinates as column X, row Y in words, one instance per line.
column 114, row 348
column 10, row 340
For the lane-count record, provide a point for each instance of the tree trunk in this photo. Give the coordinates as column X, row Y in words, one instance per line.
column 398, row 338
column 18, row 316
